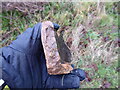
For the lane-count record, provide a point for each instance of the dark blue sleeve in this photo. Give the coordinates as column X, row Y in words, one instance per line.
column 20, row 62
column 9, row 74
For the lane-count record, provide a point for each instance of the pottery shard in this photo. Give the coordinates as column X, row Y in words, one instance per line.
column 53, row 51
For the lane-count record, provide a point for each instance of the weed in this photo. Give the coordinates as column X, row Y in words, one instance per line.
column 89, row 28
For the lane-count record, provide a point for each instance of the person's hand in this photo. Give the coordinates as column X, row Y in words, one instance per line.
column 71, row 80
column 24, row 65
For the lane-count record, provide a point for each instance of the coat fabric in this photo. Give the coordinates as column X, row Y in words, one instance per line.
column 23, row 64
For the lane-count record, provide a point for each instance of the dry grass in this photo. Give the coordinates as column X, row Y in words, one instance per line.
column 88, row 34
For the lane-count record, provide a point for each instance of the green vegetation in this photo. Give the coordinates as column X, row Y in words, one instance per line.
column 94, row 47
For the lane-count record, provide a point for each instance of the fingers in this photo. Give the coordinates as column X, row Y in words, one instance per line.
column 63, row 81
column 56, row 26
column 80, row 73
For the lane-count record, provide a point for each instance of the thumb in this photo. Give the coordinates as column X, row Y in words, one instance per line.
column 56, row 26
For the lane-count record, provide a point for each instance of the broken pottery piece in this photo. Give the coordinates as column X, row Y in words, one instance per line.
column 58, row 56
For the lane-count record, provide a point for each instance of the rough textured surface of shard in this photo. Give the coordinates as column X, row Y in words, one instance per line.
column 57, row 54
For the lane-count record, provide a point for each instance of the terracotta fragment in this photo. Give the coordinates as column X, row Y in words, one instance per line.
column 54, row 51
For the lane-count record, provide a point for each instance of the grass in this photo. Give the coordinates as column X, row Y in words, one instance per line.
column 94, row 36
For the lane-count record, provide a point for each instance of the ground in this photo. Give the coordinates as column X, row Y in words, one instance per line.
column 90, row 31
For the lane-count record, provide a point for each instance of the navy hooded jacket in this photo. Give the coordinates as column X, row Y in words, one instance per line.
column 23, row 64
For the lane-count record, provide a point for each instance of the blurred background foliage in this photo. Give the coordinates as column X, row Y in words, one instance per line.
column 90, row 31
